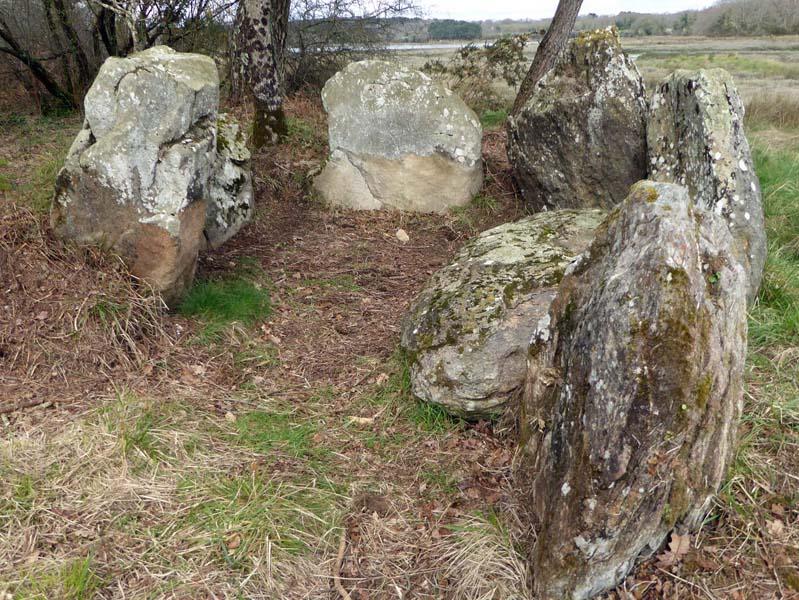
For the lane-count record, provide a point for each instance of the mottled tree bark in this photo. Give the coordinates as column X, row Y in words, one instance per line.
column 254, row 70
column 280, row 28
column 549, row 48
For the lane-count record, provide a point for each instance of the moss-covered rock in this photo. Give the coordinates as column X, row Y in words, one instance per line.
column 580, row 141
column 696, row 138
column 634, row 390
column 467, row 333
column 230, row 201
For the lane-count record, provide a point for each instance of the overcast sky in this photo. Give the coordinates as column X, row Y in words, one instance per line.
column 540, row 9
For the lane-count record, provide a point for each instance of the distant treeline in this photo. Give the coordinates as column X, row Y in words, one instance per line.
column 449, row 29
column 727, row 17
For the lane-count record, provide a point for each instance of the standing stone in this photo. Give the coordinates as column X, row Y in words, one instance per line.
column 468, row 331
column 696, row 138
column 398, row 140
column 136, row 177
column 230, row 204
column 634, row 391
column 580, row 141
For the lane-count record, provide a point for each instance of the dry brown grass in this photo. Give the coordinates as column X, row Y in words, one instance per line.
column 777, row 110
column 72, row 320
column 173, row 466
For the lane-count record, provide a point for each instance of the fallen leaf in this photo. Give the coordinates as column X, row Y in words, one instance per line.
column 361, row 420
column 678, row 548
column 680, row 544
column 775, row 528
column 233, row 541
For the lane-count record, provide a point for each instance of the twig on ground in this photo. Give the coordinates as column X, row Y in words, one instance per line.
column 21, row 405
column 342, row 547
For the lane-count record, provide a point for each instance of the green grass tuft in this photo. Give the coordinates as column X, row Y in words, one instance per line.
column 268, row 431
column 245, row 513
column 775, row 318
column 221, row 302
column 493, row 119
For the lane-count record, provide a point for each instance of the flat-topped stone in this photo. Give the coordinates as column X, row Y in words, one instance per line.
column 398, row 140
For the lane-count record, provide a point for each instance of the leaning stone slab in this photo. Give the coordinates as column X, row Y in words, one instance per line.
column 633, row 393
column 398, row 140
column 136, row 178
column 230, row 201
column 696, row 138
column 468, row 331
column 580, row 141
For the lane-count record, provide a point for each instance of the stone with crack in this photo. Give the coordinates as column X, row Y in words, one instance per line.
column 136, row 177
column 398, row 140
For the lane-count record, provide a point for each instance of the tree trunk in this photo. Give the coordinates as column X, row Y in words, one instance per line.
column 254, row 70
column 81, row 60
column 549, row 49
column 106, row 25
column 280, row 28
column 35, row 66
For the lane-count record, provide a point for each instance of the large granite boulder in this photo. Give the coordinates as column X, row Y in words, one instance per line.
column 468, row 331
column 696, row 138
column 137, row 177
column 230, row 201
column 580, row 141
column 398, row 140
column 634, row 391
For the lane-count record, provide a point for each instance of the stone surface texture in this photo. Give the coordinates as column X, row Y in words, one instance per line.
column 468, row 331
column 230, row 201
column 580, row 141
column 634, row 391
column 696, row 138
column 398, row 140
column 136, row 179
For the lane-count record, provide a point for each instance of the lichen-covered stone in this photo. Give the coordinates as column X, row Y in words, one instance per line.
column 468, row 331
column 696, row 138
column 580, row 141
column 136, row 177
column 633, row 392
column 230, row 192
column 398, row 140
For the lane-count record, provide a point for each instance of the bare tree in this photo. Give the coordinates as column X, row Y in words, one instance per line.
column 62, row 43
column 548, row 50
column 325, row 35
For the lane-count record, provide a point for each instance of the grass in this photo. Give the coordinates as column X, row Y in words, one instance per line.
column 775, row 320
column 43, row 144
column 738, row 64
column 252, row 515
column 219, row 303
column 493, row 119
column 303, row 133
column 267, row 431
column 776, row 110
